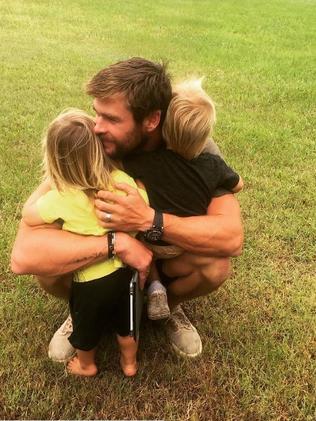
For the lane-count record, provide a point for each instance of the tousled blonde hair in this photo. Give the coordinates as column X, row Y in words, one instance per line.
column 73, row 154
column 189, row 120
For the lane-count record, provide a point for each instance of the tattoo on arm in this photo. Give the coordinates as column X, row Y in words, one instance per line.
column 89, row 258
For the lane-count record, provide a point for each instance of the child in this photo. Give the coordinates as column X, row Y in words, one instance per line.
column 76, row 167
column 188, row 175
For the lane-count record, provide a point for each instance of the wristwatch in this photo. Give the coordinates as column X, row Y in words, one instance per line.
column 154, row 234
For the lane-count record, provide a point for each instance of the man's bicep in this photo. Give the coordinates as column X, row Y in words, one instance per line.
column 225, row 204
column 227, row 210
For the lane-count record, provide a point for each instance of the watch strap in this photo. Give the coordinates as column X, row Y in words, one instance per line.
column 158, row 220
column 111, row 244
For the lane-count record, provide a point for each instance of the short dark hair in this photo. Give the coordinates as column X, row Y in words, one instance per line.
column 145, row 84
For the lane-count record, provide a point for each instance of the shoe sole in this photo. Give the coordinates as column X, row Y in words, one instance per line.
column 183, row 354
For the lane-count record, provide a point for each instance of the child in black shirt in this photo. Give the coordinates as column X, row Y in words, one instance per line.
column 179, row 178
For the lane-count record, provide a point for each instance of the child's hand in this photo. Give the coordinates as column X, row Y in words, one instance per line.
column 133, row 253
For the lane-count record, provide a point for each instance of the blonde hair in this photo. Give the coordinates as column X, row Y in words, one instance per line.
column 189, row 120
column 73, row 154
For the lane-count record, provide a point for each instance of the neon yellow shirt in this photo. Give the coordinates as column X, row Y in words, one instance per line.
column 76, row 210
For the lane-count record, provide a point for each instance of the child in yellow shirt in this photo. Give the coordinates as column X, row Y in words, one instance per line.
column 76, row 167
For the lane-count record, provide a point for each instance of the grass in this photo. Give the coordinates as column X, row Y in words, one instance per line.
column 259, row 329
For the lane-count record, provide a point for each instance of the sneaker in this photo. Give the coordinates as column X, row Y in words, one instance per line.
column 182, row 335
column 157, row 305
column 60, row 349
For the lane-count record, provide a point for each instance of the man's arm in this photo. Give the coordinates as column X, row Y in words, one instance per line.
column 219, row 233
column 46, row 250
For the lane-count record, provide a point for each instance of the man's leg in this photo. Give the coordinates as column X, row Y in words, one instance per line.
column 195, row 276
column 57, row 286
column 59, row 348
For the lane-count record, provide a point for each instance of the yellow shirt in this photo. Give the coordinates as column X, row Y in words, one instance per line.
column 76, row 210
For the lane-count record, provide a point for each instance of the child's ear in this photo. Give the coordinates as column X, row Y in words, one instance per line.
column 151, row 122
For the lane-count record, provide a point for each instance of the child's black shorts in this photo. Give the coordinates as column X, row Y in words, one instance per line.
column 94, row 304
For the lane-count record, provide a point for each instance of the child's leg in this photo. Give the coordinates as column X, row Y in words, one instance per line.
column 157, row 307
column 83, row 364
column 128, row 347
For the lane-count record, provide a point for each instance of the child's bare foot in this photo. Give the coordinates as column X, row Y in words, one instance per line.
column 74, row 367
column 129, row 368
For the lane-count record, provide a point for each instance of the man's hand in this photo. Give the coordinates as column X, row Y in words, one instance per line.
column 133, row 253
column 128, row 212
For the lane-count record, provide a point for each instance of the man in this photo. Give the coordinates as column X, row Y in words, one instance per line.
column 130, row 102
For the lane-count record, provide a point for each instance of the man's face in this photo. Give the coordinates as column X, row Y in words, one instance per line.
column 116, row 127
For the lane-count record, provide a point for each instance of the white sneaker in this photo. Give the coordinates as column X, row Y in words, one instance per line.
column 60, row 349
column 157, row 305
column 182, row 335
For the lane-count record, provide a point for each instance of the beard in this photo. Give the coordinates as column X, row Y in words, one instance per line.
column 117, row 150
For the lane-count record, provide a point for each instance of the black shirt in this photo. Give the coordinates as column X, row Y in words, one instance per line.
column 177, row 186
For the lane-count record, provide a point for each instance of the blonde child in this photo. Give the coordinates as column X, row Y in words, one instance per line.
column 75, row 168
column 190, row 177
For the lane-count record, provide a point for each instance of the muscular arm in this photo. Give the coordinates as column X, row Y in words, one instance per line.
column 48, row 251
column 219, row 233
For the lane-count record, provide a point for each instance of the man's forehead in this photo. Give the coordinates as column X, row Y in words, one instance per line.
column 118, row 99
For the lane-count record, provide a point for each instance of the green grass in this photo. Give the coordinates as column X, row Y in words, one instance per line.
column 259, row 329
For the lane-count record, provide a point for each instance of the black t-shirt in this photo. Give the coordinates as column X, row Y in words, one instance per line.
column 177, row 186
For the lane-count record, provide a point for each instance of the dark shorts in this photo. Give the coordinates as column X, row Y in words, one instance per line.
column 97, row 303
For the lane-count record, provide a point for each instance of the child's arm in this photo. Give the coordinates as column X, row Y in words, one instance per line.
column 31, row 216
column 238, row 186
column 30, row 212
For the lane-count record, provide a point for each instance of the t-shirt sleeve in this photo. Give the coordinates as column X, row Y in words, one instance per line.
column 48, row 206
column 228, row 178
column 221, row 192
column 212, row 148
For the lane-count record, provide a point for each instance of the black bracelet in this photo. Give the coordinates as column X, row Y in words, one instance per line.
column 111, row 244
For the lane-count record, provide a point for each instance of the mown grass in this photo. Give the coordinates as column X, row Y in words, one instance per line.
column 259, row 329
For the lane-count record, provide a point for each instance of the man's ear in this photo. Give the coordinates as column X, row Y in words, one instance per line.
column 151, row 122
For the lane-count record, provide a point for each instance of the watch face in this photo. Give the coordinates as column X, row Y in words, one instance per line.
column 154, row 234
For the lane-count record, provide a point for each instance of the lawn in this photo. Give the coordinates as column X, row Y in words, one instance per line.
column 259, row 330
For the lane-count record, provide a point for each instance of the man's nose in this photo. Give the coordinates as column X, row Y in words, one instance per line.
column 99, row 126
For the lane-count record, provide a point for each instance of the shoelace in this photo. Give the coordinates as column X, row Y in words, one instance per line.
column 179, row 320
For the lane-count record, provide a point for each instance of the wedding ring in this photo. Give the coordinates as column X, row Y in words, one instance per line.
column 107, row 217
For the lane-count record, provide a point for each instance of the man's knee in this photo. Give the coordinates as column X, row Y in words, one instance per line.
column 216, row 271
column 51, row 281
column 58, row 286
column 207, row 270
